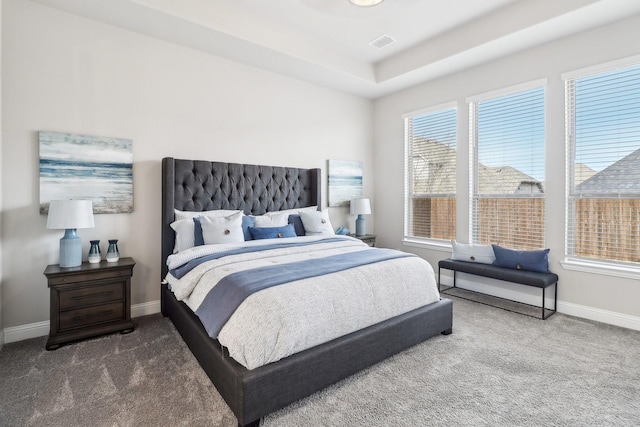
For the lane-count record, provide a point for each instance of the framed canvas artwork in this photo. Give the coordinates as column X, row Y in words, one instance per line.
column 345, row 182
column 94, row 168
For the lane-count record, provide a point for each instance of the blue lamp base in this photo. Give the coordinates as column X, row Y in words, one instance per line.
column 360, row 228
column 70, row 249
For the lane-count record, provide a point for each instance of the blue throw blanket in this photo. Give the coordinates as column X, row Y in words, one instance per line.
column 224, row 298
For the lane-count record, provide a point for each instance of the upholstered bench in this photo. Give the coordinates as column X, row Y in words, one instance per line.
column 522, row 277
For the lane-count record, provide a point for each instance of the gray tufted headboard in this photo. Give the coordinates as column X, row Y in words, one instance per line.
column 197, row 185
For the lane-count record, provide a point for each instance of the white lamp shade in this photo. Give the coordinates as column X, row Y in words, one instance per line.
column 65, row 214
column 360, row 207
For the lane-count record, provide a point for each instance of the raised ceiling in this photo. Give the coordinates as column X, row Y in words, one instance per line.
column 327, row 41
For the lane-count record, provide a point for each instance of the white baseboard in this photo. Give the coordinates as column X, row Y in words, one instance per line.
column 145, row 308
column 604, row 316
column 39, row 329
column 24, row 332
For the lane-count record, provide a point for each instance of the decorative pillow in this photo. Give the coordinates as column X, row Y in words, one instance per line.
column 297, row 224
column 472, row 253
column 272, row 232
column 247, row 221
column 184, row 229
column 222, row 230
column 522, row 260
column 184, row 226
column 274, row 219
column 316, row 222
column 198, row 240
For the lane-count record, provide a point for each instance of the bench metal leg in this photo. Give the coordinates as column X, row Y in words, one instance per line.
column 454, row 278
column 555, row 302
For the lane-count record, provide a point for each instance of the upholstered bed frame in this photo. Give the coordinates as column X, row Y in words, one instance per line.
column 192, row 185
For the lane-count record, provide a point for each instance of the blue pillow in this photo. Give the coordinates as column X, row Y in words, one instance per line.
column 522, row 260
column 247, row 222
column 272, row 232
column 296, row 220
column 198, row 239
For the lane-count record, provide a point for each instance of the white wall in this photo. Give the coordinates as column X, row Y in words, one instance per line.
column 590, row 295
column 69, row 74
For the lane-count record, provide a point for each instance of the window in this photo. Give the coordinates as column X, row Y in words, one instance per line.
column 603, row 166
column 430, row 175
column 507, row 137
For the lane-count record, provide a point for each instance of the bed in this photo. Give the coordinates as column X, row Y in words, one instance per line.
column 195, row 185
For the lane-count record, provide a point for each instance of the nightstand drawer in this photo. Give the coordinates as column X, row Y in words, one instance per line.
column 91, row 295
column 91, row 315
column 83, row 276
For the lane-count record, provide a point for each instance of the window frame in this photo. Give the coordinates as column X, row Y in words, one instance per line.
column 415, row 241
column 473, row 192
column 622, row 269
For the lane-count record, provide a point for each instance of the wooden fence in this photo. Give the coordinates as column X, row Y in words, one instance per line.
column 604, row 228
column 608, row 229
column 511, row 222
column 434, row 218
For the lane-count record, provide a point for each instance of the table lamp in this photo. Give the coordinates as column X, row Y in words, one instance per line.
column 70, row 215
column 360, row 207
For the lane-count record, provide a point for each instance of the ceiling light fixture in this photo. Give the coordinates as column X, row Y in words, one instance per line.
column 366, row 3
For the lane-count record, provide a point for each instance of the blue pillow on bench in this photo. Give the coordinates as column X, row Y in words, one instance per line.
column 522, row 260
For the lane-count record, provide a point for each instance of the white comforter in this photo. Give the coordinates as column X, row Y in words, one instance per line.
column 282, row 320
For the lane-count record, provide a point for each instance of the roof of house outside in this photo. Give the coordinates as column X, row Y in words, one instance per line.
column 437, row 174
column 623, row 176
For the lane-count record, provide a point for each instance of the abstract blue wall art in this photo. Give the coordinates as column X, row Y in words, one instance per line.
column 345, row 182
column 86, row 167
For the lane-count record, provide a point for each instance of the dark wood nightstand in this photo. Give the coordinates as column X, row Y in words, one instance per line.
column 369, row 239
column 89, row 300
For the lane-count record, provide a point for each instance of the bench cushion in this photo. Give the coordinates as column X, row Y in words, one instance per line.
column 524, row 277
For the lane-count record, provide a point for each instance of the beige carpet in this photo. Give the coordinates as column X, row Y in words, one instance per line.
column 496, row 369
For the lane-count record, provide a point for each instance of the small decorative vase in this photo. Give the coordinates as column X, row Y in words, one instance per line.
column 94, row 252
column 113, row 254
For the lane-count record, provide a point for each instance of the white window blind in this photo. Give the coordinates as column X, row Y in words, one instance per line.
column 603, row 166
column 430, row 175
column 507, row 185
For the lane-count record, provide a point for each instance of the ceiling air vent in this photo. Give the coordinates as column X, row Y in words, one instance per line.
column 382, row 41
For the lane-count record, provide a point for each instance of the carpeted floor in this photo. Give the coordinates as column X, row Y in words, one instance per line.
column 496, row 369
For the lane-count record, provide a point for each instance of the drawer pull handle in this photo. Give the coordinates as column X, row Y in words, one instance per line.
column 102, row 294
column 90, row 316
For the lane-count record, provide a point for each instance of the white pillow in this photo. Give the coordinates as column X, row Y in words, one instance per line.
column 192, row 214
column 316, row 222
column 482, row 254
column 185, row 230
column 292, row 211
column 222, row 229
column 276, row 219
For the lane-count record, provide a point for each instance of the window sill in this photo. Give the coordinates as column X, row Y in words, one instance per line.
column 437, row 245
column 600, row 267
